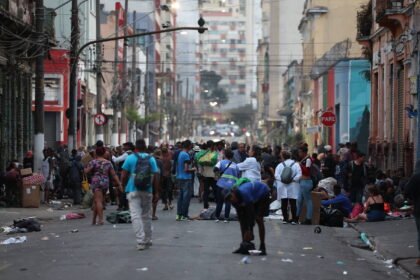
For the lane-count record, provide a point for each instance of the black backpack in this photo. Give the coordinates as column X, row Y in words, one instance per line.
column 143, row 173
column 331, row 217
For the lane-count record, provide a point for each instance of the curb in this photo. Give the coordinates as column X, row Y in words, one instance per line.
column 395, row 261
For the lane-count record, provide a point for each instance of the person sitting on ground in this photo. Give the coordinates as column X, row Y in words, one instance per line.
column 373, row 207
column 340, row 202
column 252, row 203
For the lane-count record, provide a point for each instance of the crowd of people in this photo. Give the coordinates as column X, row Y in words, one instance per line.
column 248, row 177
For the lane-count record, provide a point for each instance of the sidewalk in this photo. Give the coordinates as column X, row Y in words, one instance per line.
column 396, row 240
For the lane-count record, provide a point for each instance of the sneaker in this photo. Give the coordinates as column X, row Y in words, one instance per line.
column 226, row 221
column 183, row 219
column 293, row 223
column 141, row 247
column 285, row 222
column 178, row 218
column 165, row 208
column 217, row 220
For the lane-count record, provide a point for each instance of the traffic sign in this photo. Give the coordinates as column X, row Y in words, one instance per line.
column 100, row 119
column 328, row 118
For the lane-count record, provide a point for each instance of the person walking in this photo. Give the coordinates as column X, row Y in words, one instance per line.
column 228, row 174
column 184, row 178
column 101, row 170
column 357, row 176
column 288, row 174
column 412, row 191
column 140, row 175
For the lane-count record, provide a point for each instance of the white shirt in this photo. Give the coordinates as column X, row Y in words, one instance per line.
column 291, row 190
column 251, row 169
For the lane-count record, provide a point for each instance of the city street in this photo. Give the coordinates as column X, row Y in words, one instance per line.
column 185, row 250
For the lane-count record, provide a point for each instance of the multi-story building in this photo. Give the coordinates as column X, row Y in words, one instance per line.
column 280, row 45
column 18, row 50
column 389, row 31
column 328, row 31
column 224, row 48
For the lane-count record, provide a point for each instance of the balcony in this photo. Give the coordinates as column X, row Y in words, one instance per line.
column 393, row 14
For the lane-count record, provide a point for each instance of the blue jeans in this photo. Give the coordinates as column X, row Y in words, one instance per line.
column 184, row 197
column 220, row 200
column 306, row 187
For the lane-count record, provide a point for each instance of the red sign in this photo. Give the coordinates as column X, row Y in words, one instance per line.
column 100, row 119
column 328, row 118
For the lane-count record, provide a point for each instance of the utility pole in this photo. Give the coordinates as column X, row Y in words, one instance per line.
column 133, row 83
column 114, row 138
column 39, row 89
column 124, row 80
column 98, row 128
column 75, row 32
column 146, row 97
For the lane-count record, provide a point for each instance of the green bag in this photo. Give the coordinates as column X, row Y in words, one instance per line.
column 122, row 217
column 208, row 159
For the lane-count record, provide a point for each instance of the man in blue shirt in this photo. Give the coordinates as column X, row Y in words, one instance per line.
column 140, row 201
column 340, row 202
column 252, row 203
column 184, row 181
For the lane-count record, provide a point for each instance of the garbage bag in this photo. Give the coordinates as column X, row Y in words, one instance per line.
column 331, row 217
column 122, row 217
column 28, row 224
column 87, row 200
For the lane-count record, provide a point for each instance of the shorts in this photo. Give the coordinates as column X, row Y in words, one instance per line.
column 375, row 216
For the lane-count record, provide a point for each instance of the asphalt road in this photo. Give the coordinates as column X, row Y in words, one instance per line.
column 187, row 250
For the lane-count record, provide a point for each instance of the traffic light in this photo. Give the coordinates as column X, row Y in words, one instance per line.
column 201, row 23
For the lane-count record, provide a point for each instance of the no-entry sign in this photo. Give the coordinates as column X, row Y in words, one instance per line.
column 328, row 118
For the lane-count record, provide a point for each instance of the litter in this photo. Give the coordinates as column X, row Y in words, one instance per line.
column 410, row 246
column 340, row 263
column 245, row 260
column 74, row 230
column 390, row 261
column 45, row 238
column 320, row 257
column 14, row 240
column 114, row 226
column 254, row 252
column 307, row 248
column 72, row 216
column 302, row 255
column 287, row 260
column 142, row 269
column 360, row 259
column 345, row 273
column 30, row 224
column 264, row 259
column 275, row 217
column 365, row 239
column 17, row 230
column 280, row 253
column 317, row 230
column 50, row 210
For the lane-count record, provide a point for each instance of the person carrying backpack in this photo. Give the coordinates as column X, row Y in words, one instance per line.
column 287, row 176
column 140, row 175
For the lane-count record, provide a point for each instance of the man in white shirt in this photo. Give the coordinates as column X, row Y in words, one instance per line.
column 251, row 168
column 288, row 192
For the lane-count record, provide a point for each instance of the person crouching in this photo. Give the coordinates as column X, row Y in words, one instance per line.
column 252, row 203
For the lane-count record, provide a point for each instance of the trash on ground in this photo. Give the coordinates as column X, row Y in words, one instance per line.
column 307, row 248
column 345, row 272
column 50, row 210
column 264, row 259
column 365, row 239
column 142, row 269
column 390, row 261
column 410, row 246
column 74, row 230
column 114, row 226
column 302, row 255
column 340, row 263
column 45, row 238
column 254, row 252
column 245, row 260
column 360, row 259
column 17, row 230
column 317, row 230
column 190, row 231
column 280, row 252
column 275, row 217
column 14, row 240
column 72, row 216
column 30, row 224
column 320, row 257
column 287, row 260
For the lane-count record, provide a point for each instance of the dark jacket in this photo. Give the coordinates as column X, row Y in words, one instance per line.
column 412, row 189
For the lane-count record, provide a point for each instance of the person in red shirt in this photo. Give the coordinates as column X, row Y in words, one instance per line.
column 306, row 184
